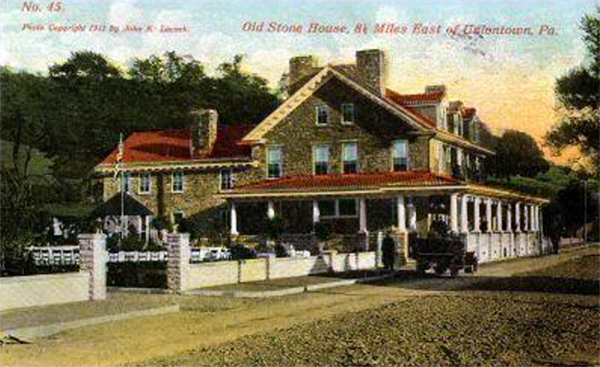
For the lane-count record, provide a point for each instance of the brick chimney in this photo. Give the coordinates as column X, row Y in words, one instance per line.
column 301, row 67
column 203, row 132
column 372, row 69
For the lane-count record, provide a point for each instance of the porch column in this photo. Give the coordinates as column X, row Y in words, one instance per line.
column 454, row 213
column 464, row 214
column 476, row 214
column 532, row 216
column 271, row 210
column 316, row 213
column 148, row 222
column 362, row 215
column 525, row 218
column 488, row 214
column 499, row 215
column 517, row 217
column 401, row 213
column 508, row 217
column 412, row 215
column 233, row 218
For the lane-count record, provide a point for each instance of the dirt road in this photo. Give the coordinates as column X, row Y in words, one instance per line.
column 198, row 326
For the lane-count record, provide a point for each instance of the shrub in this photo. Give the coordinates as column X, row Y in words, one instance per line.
column 388, row 252
column 322, row 231
column 274, row 228
column 281, row 250
column 241, row 252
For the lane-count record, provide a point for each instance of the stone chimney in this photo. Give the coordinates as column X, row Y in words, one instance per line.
column 372, row 69
column 435, row 89
column 301, row 67
column 203, row 132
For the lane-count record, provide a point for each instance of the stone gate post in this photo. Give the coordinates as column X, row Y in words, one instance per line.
column 178, row 262
column 92, row 259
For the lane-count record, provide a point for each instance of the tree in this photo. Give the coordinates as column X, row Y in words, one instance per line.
column 517, row 153
column 577, row 92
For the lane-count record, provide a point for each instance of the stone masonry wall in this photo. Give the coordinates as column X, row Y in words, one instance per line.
column 374, row 130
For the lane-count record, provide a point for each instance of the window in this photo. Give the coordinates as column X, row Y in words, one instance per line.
column 322, row 115
column 177, row 218
column 177, row 182
column 338, row 208
column 126, row 182
column 274, row 162
column 226, row 179
column 145, row 183
column 347, row 113
column 326, row 208
column 321, row 159
column 347, row 208
column 350, row 157
column 400, row 156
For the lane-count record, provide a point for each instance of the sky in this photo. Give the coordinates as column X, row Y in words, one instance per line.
column 508, row 78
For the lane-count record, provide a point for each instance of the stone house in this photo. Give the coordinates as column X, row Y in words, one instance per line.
column 342, row 149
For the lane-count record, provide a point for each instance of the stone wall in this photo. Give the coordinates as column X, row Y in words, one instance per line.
column 374, row 130
column 41, row 290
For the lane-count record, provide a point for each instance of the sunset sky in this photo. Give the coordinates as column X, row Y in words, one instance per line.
column 508, row 78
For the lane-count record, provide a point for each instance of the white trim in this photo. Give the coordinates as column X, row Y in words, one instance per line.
column 269, row 147
column 231, row 178
column 336, row 206
column 318, row 109
column 311, row 87
column 314, row 156
column 344, row 122
column 173, row 182
column 393, row 150
column 145, row 192
column 348, row 142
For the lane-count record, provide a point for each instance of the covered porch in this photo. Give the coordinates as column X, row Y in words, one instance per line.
column 494, row 223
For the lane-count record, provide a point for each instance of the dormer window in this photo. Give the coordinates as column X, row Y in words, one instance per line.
column 322, row 115
column 350, row 157
column 400, row 156
column 321, row 159
column 347, row 113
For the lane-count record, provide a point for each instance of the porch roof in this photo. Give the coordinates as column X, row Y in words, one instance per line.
column 347, row 183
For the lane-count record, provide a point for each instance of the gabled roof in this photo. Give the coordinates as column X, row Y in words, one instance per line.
column 173, row 145
column 348, row 75
column 347, row 182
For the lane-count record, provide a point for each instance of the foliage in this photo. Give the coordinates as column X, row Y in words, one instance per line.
column 517, row 153
column 566, row 214
column 322, row 231
column 577, row 91
column 388, row 252
column 72, row 118
column 241, row 252
column 281, row 250
column 273, row 227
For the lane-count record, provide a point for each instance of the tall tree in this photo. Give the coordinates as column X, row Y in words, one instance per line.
column 517, row 153
column 578, row 93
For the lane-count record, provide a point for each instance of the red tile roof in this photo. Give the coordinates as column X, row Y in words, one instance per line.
column 411, row 99
column 359, row 181
column 469, row 113
column 398, row 99
column 174, row 145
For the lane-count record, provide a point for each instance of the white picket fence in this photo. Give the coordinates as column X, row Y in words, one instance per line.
column 69, row 255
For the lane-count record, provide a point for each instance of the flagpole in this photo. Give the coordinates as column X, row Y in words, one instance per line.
column 122, row 184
